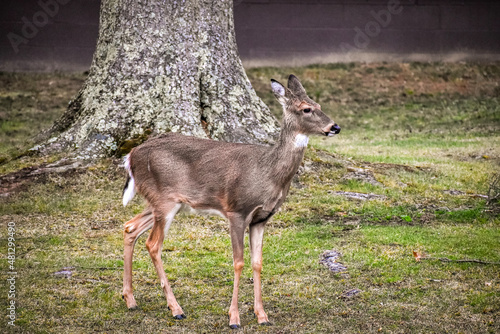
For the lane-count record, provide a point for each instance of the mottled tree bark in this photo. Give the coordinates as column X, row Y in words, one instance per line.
column 162, row 66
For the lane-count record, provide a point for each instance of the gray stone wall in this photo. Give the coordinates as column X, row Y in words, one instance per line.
column 61, row 35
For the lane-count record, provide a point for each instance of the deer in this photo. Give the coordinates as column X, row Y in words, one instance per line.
column 245, row 183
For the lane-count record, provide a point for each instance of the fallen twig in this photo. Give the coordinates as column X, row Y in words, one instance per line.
column 445, row 259
column 419, row 257
column 98, row 268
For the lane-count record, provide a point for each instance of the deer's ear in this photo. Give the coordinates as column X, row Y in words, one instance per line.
column 279, row 91
column 295, row 86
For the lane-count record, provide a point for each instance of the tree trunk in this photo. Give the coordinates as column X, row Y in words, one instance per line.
column 162, row 66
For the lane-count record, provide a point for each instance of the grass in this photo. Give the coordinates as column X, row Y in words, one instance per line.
column 30, row 103
column 427, row 133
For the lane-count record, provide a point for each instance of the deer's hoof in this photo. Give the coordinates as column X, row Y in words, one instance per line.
column 131, row 304
column 234, row 326
column 180, row 316
column 265, row 323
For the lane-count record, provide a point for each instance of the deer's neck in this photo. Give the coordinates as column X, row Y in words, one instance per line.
column 286, row 156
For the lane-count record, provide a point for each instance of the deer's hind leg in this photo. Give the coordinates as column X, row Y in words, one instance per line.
column 133, row 229
column 162, row 219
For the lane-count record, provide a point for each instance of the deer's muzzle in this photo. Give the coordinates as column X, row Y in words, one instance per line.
column 332, row 130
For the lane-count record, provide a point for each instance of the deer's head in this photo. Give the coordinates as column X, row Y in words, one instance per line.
column 301, row 114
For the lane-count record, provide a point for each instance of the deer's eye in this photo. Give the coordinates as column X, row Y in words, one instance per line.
column 307, row 110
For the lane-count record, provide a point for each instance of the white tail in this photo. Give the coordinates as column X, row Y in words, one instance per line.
column 129, row 189
column 245, row 183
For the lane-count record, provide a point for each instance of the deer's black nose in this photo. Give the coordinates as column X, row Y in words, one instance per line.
column 335, row 129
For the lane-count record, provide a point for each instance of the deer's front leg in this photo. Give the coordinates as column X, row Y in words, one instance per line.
column 256, row 236
column 237, row 226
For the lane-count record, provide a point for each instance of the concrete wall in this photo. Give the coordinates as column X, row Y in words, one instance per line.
column 63, row 36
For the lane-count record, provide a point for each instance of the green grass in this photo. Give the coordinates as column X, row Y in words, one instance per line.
column 421, row 130
column 30, row 103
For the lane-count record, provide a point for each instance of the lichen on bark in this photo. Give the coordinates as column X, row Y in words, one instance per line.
column 162, row 66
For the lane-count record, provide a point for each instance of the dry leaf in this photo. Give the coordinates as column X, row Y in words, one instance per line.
column 417, row 256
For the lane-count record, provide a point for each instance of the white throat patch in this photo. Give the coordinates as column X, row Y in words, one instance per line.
column 301, row 140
